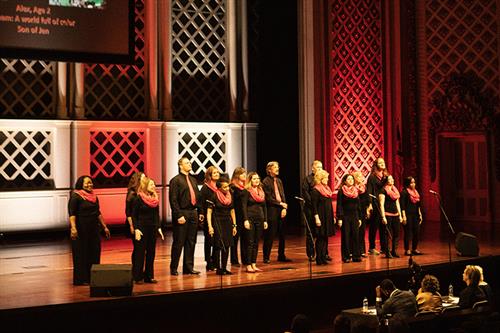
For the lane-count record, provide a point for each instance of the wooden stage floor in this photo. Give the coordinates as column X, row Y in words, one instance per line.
column 40, row 273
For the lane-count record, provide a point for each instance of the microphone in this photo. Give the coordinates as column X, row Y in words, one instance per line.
column 433, row 192
column 299, row 198
column 210, row 202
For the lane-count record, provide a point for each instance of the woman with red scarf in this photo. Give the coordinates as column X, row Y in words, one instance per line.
column 412, row 215
column 391, row 215
column 221, row 221
column 322, row 210
column 238, row 181
column 348, row 218
column 146, row 218
column 208, row 191
column 85, row 219
column 366, row 209
column 254, row 211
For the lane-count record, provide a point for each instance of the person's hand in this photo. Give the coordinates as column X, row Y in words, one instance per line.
column 359, row 223
column 107, row 233
column 378, row 292
column 265, row 225
column 420, row 219
column 246, row 224
column 211, row 230
column 235, row 231
column 339, row 223
column 161, row 234
column 283, row 213
column 138, row 235
column 284, row 205
column 131, row 226
column 181, row 220
column 401, row 219
column 201, row 218
column 404, row 221
column 318, row 222
column 74, row 233
column 384, row 220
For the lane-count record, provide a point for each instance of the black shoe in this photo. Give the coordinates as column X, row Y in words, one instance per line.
column 356, row 260
column 388, row 255
column 174, row 273
column 328, row 258
column 153, row 281
column 267, row 261
column 220, row 271
column 191, row 272
column 227, row 272
column 235, row 264
column 210, row 267
column 138, row 282
column 416, row 252
column 346, row 260
column 284, row 259
column 311, row 259
column 364, row 255
column 395, row 255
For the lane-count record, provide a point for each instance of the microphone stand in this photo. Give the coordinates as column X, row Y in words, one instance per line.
column 450, row 227
column 309, row 234
column 216, row 224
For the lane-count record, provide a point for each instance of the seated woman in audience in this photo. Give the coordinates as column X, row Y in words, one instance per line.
column 428, row 297
column 472, row 293
column 484, row 286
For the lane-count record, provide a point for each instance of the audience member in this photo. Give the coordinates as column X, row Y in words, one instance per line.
column 428, row 297
column 392, row 301
column 485, row 287
column 472, row 293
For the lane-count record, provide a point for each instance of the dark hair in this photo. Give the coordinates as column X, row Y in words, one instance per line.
column 300, row 324
column 222, row 179
column 407, row 181
column 134, row 182
column 238, row 171
column 430, row 283
column 79, row 182
column 344, row 178
column 387, row 285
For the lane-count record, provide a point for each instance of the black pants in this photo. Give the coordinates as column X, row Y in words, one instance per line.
column 275, row 225
column 309, row 232
column 184, row 237
column 321, row 248
column 393, row 227
column 251, row 240
column 362, row 231
column 221, row 256
column 349, row 242
column 234, row 248
column 208, row 244
column 145, row 251
column 375, row 224
column 412, row 232
column 86, row 251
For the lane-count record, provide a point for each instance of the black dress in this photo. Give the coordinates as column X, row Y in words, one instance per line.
column 322, row 206
column 223, row 232
column 374, row 186
column 393, row 224
column 364, row 201
column 237, row 195
column 348, row 210
column 86, row 248
column 207, row 194
column 412, row 227
column 147, row 220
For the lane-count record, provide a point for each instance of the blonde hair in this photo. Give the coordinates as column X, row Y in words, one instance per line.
column 143, row 186
column 318, row 176
column 249, row 179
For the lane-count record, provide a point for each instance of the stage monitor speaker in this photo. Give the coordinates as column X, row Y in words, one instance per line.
column 111, row 280
column 466, row 245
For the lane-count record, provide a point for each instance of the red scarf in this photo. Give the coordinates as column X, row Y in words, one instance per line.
column 257, row 194
column 211, row 185
column 89, row 196
column 414, row 196
column 150, row 200
column 224, row 199
column 361, row 188
column 324, row 190
column 350, row 191
column 392, row 191
column 239, row 184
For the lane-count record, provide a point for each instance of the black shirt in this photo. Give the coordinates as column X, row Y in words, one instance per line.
column 179, row 196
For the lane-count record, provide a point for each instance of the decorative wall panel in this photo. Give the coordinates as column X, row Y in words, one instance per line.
column 27, row 89
column 355, row 64
column 199, row 61
column 119, row 91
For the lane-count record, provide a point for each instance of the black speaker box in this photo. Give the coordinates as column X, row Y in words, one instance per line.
column 466, row 245
column 111, row 280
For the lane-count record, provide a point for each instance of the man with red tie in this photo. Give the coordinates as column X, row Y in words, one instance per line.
column 185, row 204
column 276, row 212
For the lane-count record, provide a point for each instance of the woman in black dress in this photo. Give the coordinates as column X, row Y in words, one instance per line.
column 86, row 220
column 208, row 191
column 412, row 215
column 146, row 217
column 133, row 186
column 391, row 215
column 366, row 209
column 374, row 184
column 322, row 210
column 348, row 218
column 222, row 225
column 255, row 220
column 238, row 181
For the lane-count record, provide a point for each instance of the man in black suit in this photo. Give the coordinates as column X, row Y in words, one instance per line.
column 184, row 198
column 398, row 303
column 276, row 212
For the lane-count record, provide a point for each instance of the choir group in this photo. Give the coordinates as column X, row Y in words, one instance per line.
column 244, row 210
